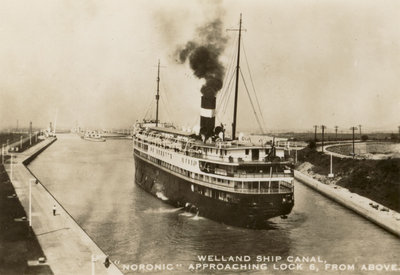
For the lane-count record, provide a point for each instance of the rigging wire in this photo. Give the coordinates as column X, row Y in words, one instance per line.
column 166, row 103
column 232, row 61
column 222, row 111
column 166, row 109
column 225, row 97
column 150, row 107
column 229, row 94
column 252, row 83
column 225, row 89
column 251, row 102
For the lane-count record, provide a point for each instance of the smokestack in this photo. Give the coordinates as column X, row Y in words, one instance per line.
column 51, row 127
column 207, row 116
column 203, row 55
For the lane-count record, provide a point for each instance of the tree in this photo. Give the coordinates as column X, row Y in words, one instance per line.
column 364, row 137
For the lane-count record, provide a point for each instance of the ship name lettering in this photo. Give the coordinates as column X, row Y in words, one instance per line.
column 148, row 267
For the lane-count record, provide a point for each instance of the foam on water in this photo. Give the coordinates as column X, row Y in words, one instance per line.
column 160, row 195
column 197, row 217
column 161, row 210
column 186, row 214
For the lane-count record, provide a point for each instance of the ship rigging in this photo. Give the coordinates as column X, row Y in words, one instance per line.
column 233, row 181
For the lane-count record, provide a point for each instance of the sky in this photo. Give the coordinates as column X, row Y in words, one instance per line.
column 94, row 63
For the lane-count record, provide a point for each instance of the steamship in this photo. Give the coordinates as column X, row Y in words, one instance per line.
column 93, row 136
column 236, row 181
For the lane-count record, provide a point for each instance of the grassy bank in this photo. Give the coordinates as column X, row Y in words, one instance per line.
column 331, row 136
column 378, row 180
column 18, row 244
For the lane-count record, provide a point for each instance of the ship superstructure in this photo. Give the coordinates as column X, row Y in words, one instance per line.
column 234, row 181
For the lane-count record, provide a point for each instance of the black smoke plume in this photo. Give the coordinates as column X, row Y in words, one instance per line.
column 203, row 56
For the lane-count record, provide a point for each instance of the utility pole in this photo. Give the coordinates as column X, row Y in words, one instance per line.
column 30, row 201
column 323, row 129
column 336, row 128
column 353, row 129
column 315, row 132
column 30, row 133
column 331, row 175
column 11, row 167
column 360, row 130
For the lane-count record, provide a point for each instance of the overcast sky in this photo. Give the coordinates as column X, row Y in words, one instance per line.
column 94, row 62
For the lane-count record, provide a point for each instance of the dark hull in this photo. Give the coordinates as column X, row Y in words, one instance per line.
column 246, row 210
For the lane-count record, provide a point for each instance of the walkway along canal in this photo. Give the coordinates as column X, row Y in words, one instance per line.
column 68, row 249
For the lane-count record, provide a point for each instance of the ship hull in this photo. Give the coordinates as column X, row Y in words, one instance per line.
column 245, row 210
column 94, row 139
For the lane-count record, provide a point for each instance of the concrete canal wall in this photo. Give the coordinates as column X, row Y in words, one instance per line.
column 68, row 248
column 389, row 220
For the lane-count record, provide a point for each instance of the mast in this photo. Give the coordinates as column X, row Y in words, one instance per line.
column 158, row 91
column 237, row 82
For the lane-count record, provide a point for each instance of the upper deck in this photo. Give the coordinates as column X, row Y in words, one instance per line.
column 228, row 152
column 235, row 166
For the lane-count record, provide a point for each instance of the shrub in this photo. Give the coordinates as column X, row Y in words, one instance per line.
column 312, row 145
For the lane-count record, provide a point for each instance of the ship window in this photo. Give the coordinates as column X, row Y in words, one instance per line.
column 215, row 194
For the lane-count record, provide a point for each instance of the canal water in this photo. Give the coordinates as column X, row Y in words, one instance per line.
column 94, row 181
